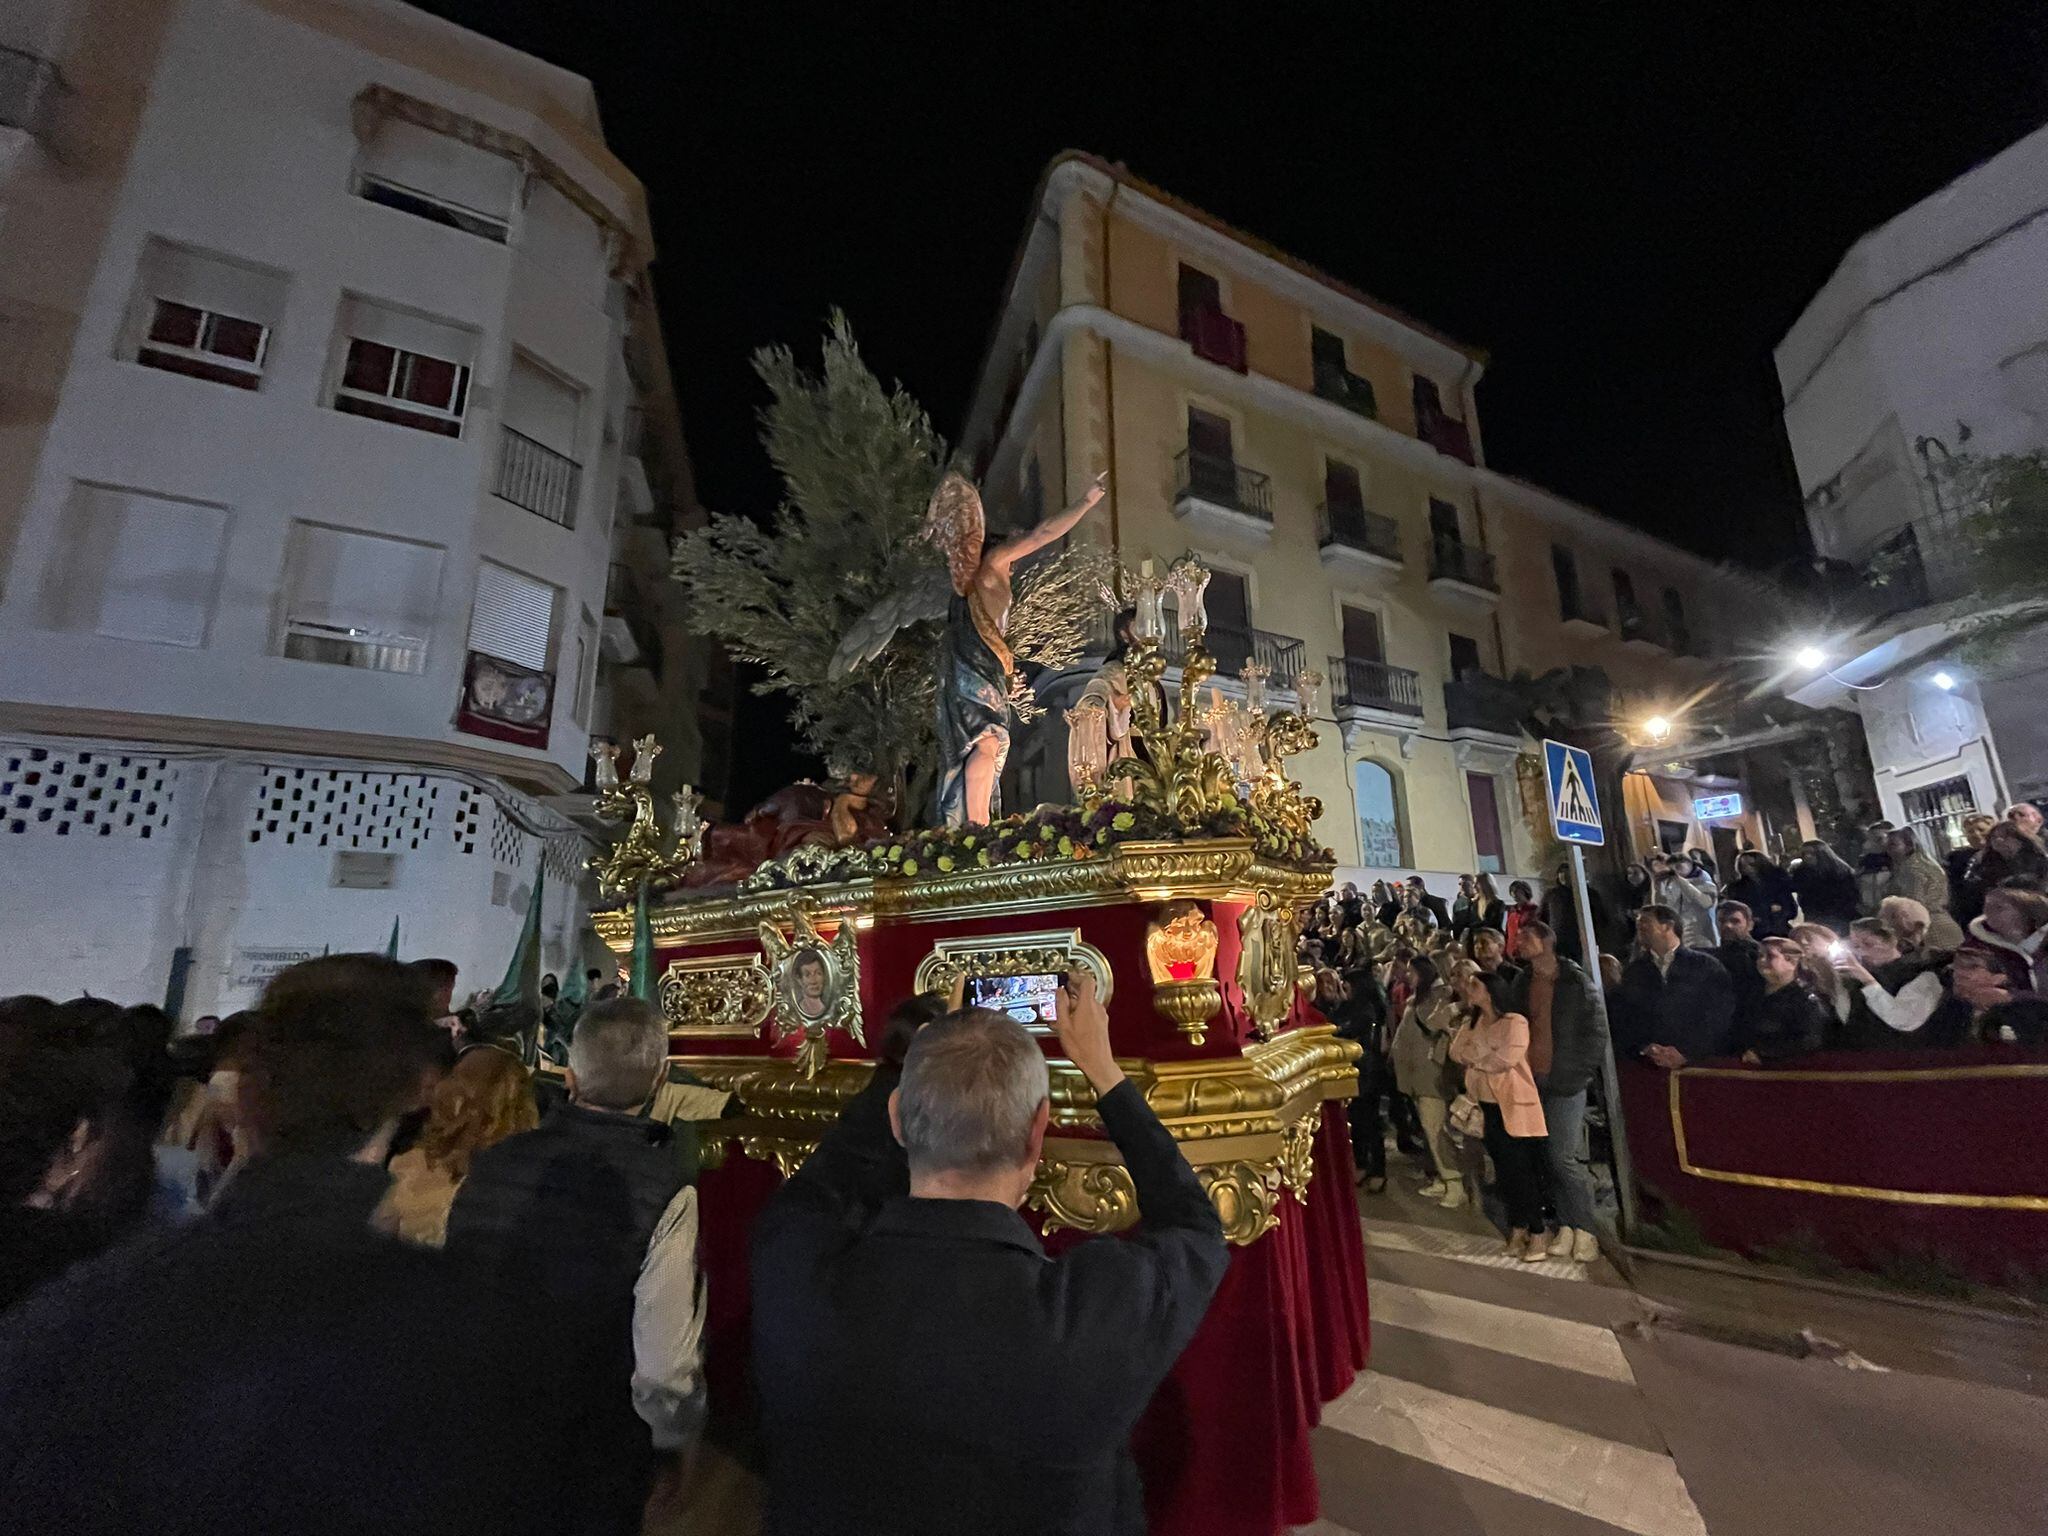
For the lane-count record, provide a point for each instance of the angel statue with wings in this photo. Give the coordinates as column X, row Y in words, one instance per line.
column 978, row 681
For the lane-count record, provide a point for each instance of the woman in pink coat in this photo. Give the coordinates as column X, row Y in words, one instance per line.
column 1494, row 1049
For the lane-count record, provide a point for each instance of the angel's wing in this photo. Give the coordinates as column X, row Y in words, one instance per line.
column 924, row 597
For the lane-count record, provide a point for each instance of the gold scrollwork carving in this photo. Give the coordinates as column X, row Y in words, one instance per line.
column 1298, row 1152
column 1242, row 1193
column 716, row 995
column 1090, row 1197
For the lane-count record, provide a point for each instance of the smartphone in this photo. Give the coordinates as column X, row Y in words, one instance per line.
column 1838, row 951
column 1029, row 999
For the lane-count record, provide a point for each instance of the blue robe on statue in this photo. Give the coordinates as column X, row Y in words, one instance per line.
column 974, row 702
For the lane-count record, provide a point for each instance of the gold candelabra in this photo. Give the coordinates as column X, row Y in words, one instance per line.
column 1213, row 757
column 645, row 854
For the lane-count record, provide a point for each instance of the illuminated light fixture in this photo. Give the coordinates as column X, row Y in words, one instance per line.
column 1943, row 680
column 1657, row 728
column 1810, row 657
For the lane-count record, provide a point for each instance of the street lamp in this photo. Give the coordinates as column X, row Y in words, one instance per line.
column 1657, row 728
column 1810, row 658
column 1945, row 681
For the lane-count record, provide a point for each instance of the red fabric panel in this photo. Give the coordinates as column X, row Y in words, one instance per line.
column 1955, row 1136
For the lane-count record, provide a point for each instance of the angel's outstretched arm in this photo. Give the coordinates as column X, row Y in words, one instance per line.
column 1031, row 540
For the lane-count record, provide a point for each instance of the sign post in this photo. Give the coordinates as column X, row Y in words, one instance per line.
column 1575, row 816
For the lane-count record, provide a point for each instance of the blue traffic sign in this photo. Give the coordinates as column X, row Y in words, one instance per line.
column 1574, row 805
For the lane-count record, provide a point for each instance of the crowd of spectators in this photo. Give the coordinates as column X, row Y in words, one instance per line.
column 1455, row 1001
column 342, row 1263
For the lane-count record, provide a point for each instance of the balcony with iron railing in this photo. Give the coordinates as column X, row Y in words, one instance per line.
column 1358, row 539
column 1282, row 656
column 1218, row 493
column 1458, row 567
column 1362, row 686
column 1479, row 701
column 534, row 476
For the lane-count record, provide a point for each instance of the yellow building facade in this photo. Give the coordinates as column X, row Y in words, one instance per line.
column 1320, row 453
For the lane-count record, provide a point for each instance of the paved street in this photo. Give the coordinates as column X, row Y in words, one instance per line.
column 1536, row 1399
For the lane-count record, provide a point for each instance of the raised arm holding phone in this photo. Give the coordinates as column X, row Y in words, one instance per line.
column 895, row 1286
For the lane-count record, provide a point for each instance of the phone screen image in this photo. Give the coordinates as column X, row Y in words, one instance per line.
column 1027, row 999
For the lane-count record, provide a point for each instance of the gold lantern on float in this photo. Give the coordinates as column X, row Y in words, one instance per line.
column 1180, row 951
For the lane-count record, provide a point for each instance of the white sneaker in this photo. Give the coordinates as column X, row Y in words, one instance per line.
column 1517, row 1239
column 1538, row 1249
column 1586, row 1246
column 1454, row 1196
column 1561, row 1242
column 1433, row 1189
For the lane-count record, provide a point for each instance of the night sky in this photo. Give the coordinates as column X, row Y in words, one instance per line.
column 1626, row 215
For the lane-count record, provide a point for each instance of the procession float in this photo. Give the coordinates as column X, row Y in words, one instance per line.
column 1174, row 879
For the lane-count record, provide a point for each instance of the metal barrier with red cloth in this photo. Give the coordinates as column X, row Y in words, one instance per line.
column 1876, row 1157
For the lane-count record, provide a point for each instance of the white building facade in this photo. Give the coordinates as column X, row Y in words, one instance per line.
column 324, row 531
column 1928, row 343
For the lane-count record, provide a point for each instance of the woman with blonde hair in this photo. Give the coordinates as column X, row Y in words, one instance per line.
column 1493, row 1048
column 486, row 1097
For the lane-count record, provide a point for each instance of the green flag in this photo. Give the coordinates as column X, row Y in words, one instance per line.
column 391, row 948
column 522, row 975
column 641, row 984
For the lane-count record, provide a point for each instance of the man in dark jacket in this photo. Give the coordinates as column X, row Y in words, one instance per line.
column 927, row 1368
column 1674, row 1005
column 568, row 1210
column 1567, row 1043
column 1737, row 953
column 277, row 1364
column 1437, row 907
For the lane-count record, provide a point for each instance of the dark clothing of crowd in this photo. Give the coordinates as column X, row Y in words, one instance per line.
column 1009, row 1381
column 280, row 1366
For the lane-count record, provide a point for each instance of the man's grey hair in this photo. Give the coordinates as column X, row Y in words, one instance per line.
column 971, row 1087
column 616, row 1050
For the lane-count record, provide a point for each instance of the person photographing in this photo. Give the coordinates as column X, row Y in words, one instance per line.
column 895, row 1285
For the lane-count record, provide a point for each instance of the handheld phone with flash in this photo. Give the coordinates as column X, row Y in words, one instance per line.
column 1838, row 950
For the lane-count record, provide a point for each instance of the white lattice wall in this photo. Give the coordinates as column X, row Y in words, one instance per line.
column 55, row 792
column 357, row 810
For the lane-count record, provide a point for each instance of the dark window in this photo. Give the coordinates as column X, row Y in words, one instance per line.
column 1341, row 488
column 203, row 345
column 1465, row 656
column 1674, row 621
column 1626, row 613
column 374, row 373
column 1443, row 522
column 1199, row 292
column 1326, row 352
column 1209, row 436
column 1429, row 403
column 1362, row 640
column 1229, row 601
column 1564, row 566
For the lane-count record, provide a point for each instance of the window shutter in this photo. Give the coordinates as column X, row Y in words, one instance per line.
column 541, row 406
column 147, row 567
column 208, row 282
column 512, row 617
column 420, row 160
column 382, row 588
column 408, row 332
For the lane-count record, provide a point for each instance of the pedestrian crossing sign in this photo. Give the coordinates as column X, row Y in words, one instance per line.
column 1574, row 807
